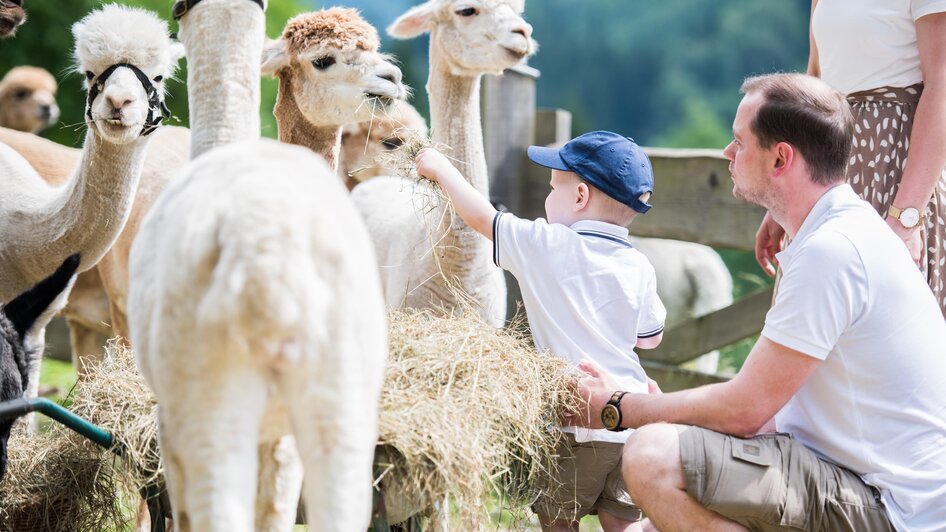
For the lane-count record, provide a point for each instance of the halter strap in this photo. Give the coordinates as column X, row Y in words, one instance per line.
column 181, row 7
column 157, row 109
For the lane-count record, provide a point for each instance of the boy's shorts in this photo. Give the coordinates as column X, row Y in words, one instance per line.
column 773, row 482
column 588, row 479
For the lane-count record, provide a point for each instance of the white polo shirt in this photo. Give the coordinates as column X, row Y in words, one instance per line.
column 588, row 295
column 851, row 296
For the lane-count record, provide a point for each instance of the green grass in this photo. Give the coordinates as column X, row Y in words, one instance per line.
column 57, row 374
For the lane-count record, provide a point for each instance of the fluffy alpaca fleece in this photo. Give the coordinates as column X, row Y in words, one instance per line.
column 330, row 73
column 28, row 99
column 426, row 254
column 122, row 34
column 254, row 293
column 21, row 321
column 11, row 17
column 363, row 143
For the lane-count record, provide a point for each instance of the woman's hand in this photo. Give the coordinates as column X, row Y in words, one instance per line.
column 912, row 238
column 768, row 242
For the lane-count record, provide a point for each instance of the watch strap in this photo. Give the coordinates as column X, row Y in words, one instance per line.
column 615, row 401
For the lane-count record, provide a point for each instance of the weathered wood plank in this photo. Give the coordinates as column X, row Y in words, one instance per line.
column 693, row 201
column 672, row 378
column 690, row 339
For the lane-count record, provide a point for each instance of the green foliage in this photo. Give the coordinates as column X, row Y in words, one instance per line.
column 46, row 41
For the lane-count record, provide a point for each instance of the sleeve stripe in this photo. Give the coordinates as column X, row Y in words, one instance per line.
column 496, row 238
column 652, row 334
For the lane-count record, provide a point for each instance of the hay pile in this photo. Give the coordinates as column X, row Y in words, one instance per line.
column 466, row 412
column 59, row 481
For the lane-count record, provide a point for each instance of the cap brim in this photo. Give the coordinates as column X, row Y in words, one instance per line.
column 547, row 157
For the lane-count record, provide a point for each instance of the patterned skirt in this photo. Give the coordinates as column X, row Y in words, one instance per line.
column 883, row 120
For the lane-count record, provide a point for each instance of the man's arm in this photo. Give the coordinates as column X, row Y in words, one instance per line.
column 475, row 210
column 769, row 378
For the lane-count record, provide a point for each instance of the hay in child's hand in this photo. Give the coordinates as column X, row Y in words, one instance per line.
column 466, row 411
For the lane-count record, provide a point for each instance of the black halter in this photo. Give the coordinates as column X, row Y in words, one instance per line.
column 157, row 109
column 181, row 7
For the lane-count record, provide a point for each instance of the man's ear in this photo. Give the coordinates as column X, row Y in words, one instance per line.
column 582, row 196
column 784, row 157
column 416, row 21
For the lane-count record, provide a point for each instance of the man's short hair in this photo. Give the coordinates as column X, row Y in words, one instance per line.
column 808, row 114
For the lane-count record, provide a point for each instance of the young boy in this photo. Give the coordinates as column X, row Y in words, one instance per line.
column 588, row 295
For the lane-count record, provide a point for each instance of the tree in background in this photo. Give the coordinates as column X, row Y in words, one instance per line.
column 46, row 41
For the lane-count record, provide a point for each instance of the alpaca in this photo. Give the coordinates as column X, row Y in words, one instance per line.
column 245, row 299
column 11, row 17
column 423, row 253
column 28, row 99
column 125, row 54
column 330, row 73
column 692, row 280
column 22, row 321
column 364, row 142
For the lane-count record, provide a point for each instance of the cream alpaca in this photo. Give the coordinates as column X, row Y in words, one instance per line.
column 424, row 253
column 28, row 99
column 330, row 73
column 41, row 225
column 247, row 300
column 363, row 143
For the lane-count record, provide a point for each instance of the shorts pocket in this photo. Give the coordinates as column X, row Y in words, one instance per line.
column 749, row 487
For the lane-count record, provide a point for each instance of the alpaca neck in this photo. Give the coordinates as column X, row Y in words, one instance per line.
column 224, row 44
column 294, row 128
column 455, row 118
column 83, row 216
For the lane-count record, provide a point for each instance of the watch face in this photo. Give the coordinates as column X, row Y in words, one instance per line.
column 910, row 217
column 609, row 416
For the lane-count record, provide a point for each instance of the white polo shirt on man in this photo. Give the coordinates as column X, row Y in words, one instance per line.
column 588, row 295
column 850, row 295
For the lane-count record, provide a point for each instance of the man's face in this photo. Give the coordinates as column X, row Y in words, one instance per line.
column 749, row 162
column 560, row 203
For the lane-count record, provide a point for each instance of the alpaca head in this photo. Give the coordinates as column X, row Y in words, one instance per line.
column 126, row 55
column 330, row 61
column 11, row 16
column 28, row 99
column 363, row 143
column 473, row 36
column 21, row 323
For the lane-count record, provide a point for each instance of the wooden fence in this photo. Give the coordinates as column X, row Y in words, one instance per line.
column 694, row 191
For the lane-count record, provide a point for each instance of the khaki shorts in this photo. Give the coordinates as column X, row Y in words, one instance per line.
column 773, row 482
column 588, row 479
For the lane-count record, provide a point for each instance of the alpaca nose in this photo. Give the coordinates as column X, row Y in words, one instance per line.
column 119, row 100
column 391, row 74
column 45, row 112
column 524, row 29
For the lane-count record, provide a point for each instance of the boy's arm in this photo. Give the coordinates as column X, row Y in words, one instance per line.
column 475, row 210
column 650, row 342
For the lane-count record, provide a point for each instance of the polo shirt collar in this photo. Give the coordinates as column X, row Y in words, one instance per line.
column 595, row 228
column 817, row 214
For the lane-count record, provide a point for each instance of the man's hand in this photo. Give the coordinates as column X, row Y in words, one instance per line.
column 593, row 391
column 768, row 242
column 432, row 165
column 911, row 239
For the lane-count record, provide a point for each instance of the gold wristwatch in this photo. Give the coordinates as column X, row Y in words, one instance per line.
column 611, row 416
column 908, row 217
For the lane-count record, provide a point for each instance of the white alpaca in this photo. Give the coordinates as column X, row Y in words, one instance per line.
column 28, row 99
column 692, row 280
column 330, row 73
column 255, row 309
column 424, row 253
column 41, row 224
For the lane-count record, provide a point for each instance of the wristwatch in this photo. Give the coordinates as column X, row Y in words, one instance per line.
column 611, row 413
column 909, row 217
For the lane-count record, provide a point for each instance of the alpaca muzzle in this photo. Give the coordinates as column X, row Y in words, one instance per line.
column 157, row 109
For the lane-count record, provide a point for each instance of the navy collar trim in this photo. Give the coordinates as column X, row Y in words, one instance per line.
column 606, row 236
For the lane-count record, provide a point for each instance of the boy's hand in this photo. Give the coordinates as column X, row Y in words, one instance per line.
column 432, row 165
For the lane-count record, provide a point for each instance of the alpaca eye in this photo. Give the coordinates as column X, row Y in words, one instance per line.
column 323, row 62
column 21, row 94
column 392, row 143
column 157, row 79
column 467, row 12
column 89, row 75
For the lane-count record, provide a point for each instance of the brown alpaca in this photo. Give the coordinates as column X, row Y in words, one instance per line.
column 28, row 99
column 11, row 17
column 363, row 143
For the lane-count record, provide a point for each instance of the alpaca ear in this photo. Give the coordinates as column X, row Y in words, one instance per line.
column 176, row 52
column 415, row 22
column 275, row 57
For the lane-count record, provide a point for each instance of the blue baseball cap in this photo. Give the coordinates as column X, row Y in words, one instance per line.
column 612, row 163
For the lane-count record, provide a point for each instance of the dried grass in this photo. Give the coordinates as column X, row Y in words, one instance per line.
column 59, row 481
column 467, row 411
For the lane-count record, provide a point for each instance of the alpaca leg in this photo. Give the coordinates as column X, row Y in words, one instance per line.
column 209, row 435
column 280, row 472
